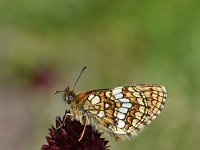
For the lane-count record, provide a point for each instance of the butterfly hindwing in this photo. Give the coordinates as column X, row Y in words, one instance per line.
column 127, row 109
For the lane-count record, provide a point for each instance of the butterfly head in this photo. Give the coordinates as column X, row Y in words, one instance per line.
column 69, row 95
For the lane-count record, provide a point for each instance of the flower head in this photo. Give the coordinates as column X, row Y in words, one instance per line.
column 67, row 137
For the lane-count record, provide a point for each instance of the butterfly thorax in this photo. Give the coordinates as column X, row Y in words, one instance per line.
column 76, row 104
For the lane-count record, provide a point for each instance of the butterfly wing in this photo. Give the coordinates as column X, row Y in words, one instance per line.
column 126, row 110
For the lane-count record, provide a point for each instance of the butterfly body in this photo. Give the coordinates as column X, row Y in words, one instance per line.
column 121, row 112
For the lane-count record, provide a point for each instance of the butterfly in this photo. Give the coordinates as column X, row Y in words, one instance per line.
column 122, row 112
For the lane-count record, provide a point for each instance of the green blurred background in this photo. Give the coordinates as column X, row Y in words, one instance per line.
column 44, row 44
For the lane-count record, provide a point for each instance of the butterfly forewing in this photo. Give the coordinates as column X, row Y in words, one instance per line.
column 125, row 110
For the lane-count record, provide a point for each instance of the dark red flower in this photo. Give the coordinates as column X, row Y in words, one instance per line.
column 66, row 138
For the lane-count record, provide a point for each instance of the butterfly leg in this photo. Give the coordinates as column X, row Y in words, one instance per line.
column 85, row 123
column 63, row 123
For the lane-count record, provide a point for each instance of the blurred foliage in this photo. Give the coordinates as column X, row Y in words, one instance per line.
column 122, row 42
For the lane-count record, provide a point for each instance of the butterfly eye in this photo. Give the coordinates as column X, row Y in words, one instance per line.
column 70, row 97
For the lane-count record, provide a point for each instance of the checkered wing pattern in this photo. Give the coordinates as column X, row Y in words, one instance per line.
column 126, row 110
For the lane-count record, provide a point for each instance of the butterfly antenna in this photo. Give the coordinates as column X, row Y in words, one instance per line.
column 56, row 92
column 79, row 77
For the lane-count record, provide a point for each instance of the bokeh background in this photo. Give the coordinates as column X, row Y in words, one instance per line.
column 44, row 44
